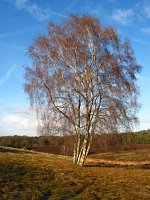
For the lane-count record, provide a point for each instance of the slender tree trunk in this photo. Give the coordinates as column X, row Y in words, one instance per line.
column 77, row 147
column 81, row 161
column 83, row 151
column 74, row 154
column 89, row 145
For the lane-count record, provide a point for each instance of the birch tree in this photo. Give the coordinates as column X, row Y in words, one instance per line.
column 87, row 74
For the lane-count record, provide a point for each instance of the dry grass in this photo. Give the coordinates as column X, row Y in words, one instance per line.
column 126, row 156
column 108, row 163
column 137, row 159
column 25, row 175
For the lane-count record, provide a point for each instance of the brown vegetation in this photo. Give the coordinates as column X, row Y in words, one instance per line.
column 26, row 175
column 64, row 145
column 82, row 81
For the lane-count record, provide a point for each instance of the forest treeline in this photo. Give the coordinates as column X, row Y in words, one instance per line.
column 64, row 145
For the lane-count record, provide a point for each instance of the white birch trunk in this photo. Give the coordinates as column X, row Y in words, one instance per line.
column 74, row 154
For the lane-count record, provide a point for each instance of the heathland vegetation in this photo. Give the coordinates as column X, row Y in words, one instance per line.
column 26, row 175
column 64, row 145
column 112, row 170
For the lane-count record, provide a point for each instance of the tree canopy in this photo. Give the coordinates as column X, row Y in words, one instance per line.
column 85, row 75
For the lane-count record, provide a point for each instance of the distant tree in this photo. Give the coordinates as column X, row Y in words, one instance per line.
column 85, row 74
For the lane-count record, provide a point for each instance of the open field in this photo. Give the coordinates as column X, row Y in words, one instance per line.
column 136, row 159
column 125, row 156
column 27, row 175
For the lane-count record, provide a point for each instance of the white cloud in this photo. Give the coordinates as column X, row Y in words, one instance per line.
column 4, row 78
column 71, row 5
column 5, row 35
column 123, row 16
column 144, row 120
column 143, row 78
column 19, row 121
column 36, row 11
column 141, row 42
column 96, row 11
column 144, row 124
column 146, row 30
column 20, row 4
column 147, row 11
column 18, row 32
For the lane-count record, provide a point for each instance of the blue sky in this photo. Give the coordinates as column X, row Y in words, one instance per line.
column 22, row 20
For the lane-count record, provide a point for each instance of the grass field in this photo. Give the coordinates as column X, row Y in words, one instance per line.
column 27, row 175
column 134, row 158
